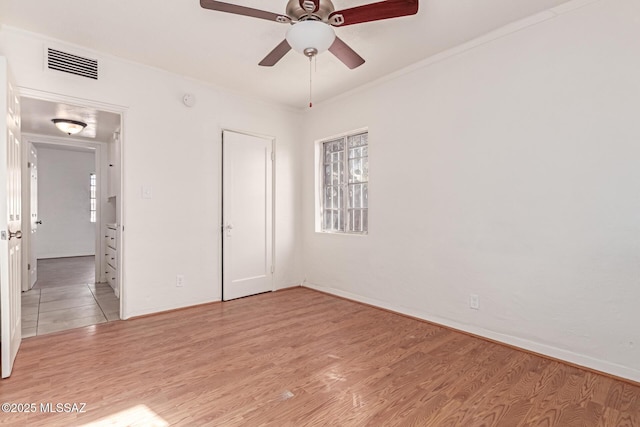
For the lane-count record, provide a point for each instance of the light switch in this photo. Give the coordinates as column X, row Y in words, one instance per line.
column 147, row 192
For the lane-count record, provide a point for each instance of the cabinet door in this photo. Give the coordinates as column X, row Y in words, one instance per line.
column 111, row 257
column 111, row 238
column 112, row 278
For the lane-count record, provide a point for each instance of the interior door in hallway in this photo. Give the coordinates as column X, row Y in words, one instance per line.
column 10, row 221
column 247, row 200
column 33, row 240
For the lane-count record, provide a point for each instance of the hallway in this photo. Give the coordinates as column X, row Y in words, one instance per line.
column 65, row 297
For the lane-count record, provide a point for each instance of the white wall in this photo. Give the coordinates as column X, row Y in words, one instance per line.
column 508, row 170
column 176, row 150
column 63, row 203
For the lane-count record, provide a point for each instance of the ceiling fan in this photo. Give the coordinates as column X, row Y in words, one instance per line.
column 312, row 21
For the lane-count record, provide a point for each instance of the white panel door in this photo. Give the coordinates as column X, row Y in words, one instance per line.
column 10, row 222
column 247, row 200
column 33, row 237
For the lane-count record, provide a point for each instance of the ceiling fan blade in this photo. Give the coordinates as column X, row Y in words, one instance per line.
column 276, row 54
column 345, row 54
column 242, row 10
column 373, row 12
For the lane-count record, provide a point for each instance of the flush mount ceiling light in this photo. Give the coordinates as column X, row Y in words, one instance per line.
column 310, row 37
column 70, row 127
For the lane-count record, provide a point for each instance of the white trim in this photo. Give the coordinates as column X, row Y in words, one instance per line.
column 63, row 141
column 343, row 134
column 65, row 99
column 246, row 95
column 489, row 37
column 244, row 132
column 536, row 347
column 437, row 57
column 144, row 311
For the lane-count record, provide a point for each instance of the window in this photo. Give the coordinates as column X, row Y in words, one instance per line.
column 92, row 197
column 345, row 186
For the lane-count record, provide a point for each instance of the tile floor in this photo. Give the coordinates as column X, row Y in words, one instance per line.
column 55, row 272
column 59, row 308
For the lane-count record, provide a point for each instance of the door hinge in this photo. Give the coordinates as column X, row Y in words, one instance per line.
column 28, row 266
column 3, row 235
column 273, row 269
column 273, row 156
column 29, row 164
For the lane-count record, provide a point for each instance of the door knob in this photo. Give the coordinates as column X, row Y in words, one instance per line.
column 17, row 234
column 39, row 222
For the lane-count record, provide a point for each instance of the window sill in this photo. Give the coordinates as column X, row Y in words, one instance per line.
column 330, row 233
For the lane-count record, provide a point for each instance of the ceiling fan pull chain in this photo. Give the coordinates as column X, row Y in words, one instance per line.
column 310, row 81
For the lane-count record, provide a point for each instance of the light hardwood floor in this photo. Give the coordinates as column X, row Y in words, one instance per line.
column 302, row 358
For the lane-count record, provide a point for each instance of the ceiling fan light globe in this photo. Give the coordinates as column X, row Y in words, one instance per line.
column 310, row 35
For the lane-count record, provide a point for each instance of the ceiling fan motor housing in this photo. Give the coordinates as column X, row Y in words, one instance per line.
column 306, row 11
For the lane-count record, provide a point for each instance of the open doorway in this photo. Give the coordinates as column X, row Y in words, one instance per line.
column 71, row 197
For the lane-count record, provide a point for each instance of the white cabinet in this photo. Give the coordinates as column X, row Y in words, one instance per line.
column 111, row 256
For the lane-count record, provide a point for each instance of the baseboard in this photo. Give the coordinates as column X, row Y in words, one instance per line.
column 287, row 287
column 149, row 311
column 579, row 360
column 56, row 256
column 169, row 310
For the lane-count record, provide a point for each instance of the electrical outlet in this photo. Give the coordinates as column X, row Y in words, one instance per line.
column 180, row 280
column 474, row 302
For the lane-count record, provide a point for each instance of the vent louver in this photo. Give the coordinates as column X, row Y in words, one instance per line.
column 73, row 64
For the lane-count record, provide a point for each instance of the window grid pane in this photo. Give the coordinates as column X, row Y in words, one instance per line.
column 345, row 184
column 93, row 203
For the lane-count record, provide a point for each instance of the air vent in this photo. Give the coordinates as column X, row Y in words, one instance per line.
column 73, row 64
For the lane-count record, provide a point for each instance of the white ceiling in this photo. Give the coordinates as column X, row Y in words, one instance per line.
column 225, row 49
column 36, row 118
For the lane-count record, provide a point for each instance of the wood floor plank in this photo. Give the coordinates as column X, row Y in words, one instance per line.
column 301, row 358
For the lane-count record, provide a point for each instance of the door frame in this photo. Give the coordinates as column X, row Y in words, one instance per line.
column 27, row 223
column 220, row 226
column 120, row 209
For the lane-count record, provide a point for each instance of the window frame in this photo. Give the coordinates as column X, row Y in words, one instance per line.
column 345, row 208
column 93, row 198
